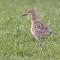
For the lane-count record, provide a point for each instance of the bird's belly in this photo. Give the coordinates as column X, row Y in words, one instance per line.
column 32, row 32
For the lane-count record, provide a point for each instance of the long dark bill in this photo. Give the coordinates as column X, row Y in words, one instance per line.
column 24, row 14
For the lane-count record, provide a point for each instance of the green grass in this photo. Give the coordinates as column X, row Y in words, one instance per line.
column 16, row 41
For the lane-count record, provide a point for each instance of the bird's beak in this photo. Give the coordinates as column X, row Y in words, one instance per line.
column 24, row 14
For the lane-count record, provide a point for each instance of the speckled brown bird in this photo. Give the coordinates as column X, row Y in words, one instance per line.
column 38, row 29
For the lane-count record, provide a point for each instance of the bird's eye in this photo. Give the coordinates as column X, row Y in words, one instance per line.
column 28, row 11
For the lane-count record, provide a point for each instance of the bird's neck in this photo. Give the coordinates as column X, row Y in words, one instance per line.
column 34, row 17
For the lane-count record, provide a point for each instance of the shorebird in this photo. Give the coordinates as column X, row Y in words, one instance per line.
column 38, row 29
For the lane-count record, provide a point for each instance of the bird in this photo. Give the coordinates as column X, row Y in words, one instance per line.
column 38, row 29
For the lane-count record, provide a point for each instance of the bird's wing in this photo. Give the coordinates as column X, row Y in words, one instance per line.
column 41, row 28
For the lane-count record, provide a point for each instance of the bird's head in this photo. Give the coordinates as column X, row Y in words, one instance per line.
column 29, row 12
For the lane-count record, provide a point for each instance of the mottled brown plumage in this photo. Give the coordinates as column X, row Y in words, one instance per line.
column 38, row 29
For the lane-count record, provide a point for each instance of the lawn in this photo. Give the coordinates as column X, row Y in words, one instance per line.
column 16, row 41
